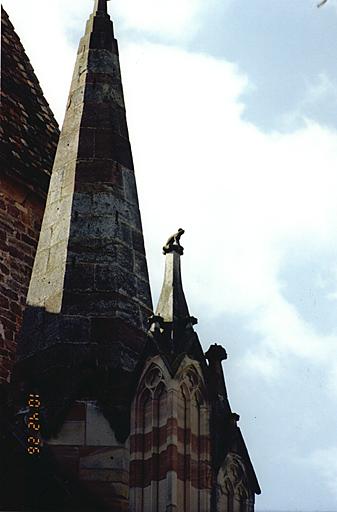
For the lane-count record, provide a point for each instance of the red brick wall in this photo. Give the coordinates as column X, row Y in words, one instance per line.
column 28, row 129
column 28, row 139
column 20, row 220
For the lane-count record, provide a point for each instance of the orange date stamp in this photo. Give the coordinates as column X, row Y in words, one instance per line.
column 33, row 424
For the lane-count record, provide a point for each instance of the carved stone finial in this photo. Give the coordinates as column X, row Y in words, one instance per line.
column 216, row 353
column 173, row 243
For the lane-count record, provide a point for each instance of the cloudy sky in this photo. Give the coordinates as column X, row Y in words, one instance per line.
column 232, row 110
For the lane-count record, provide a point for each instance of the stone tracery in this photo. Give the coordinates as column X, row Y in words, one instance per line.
column 233, row 493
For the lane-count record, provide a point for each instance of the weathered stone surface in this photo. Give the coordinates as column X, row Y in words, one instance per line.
column 98, row 431
column 89, row 296
column 90, row 263
column 106, row 475
column 115, row 457
column 72, row 433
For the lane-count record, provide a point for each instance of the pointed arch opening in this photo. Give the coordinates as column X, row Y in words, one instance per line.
column 234, row 494
column 229, row 495
column 242, row 497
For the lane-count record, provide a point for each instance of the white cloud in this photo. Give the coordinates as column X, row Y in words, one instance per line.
column 322, row 88
column 263, row 363
column 53, row 55
column 174, row 19
column 46, row 46
column 171, row 20
column 245, row 198
column 317, row 94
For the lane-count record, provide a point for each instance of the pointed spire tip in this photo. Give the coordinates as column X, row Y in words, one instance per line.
column 101, row 5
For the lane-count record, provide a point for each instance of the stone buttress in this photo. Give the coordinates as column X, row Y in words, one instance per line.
column 89, row 296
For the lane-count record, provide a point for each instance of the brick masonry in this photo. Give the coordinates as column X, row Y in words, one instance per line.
column 28, row 129
column 29, row 135
column 19, row 230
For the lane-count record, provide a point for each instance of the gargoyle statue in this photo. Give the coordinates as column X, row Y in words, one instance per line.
column 173, row 240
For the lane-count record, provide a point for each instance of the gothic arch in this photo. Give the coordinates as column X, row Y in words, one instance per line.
column 233, row 490
column 229, row 495
column 225, row 500
column 241, row 496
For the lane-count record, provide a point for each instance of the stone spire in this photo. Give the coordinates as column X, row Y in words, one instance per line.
column 89, row 296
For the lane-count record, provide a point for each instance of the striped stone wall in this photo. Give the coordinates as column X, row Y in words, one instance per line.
column 170, row 466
